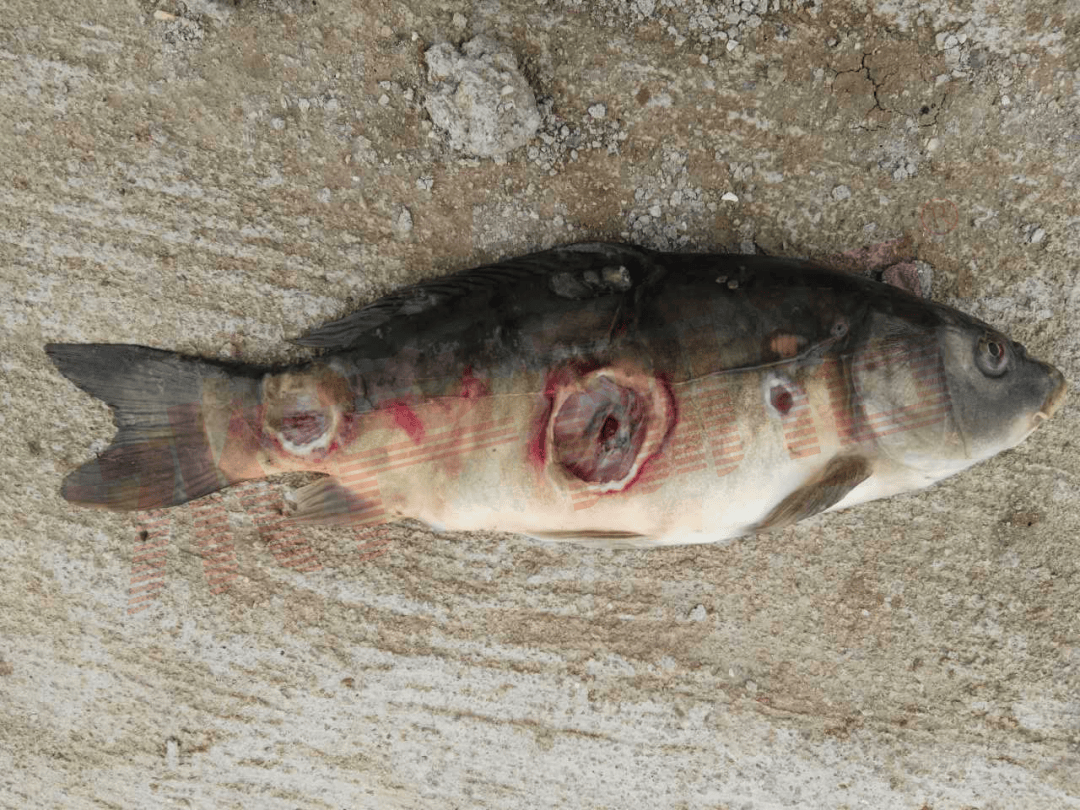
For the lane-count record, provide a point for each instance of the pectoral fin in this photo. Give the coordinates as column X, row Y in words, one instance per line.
column 840, row 476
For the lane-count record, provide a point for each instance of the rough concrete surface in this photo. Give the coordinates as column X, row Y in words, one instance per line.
column 216, row 178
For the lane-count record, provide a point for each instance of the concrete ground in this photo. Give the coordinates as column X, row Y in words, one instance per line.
column 216, row 178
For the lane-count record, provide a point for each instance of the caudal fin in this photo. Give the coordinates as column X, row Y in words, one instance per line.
column 162, row 454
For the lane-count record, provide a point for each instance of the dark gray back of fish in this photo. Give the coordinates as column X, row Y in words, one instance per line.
column 683, row 315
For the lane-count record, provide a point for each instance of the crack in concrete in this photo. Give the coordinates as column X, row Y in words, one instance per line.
column 877, row 83
column 864, row 69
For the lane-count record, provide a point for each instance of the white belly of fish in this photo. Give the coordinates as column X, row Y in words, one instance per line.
column 726, row 461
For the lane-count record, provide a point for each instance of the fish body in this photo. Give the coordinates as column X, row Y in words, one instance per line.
column 597, row 392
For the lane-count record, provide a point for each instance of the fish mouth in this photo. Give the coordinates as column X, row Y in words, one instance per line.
column 1054, row 400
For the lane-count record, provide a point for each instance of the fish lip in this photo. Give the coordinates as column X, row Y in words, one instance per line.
column 1054, row 400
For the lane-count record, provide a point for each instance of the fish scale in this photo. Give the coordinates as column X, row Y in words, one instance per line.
column 599, row 393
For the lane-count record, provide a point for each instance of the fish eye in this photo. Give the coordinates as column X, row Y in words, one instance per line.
column 992, row 356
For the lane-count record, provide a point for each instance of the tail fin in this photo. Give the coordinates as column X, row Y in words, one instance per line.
column 162, row 454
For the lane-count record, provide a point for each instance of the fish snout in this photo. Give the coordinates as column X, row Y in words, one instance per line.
column 1054, row 399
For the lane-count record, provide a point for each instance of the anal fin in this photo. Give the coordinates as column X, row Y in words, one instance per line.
column 828, row 488
column 328, row 502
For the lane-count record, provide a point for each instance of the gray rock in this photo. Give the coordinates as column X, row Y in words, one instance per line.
column 480, row 98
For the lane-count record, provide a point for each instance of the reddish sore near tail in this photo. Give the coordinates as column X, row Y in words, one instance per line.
column 162, row 454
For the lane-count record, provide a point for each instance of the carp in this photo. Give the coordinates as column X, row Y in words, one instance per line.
column 597, row 392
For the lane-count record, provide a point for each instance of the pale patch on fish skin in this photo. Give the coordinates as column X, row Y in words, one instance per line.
column 785, row 344
column 232, row 430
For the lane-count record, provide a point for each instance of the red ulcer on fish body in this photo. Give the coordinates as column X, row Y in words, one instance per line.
column 303, row 427
column 576, row 395
column 564, row 375
column 293, row 416
column 472, row 387
column 781, row 399
column 608, row 429
column 406, row 419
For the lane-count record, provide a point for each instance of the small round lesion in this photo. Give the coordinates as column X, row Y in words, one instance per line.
column 303, row 411
column 781, row 399
column 780, row 394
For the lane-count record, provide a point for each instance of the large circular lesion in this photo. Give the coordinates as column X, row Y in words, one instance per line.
column 605, row 425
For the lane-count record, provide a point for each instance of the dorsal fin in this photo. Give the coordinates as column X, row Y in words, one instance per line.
column 585, row 270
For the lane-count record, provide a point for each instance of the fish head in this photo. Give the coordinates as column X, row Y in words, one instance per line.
column 942, row 394
column 999, row 394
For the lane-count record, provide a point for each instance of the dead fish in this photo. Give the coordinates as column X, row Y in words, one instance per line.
column 598, row 392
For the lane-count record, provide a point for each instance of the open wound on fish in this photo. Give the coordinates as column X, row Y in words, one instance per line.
column 304, row 412
column 828, row 488
column 604, row 426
